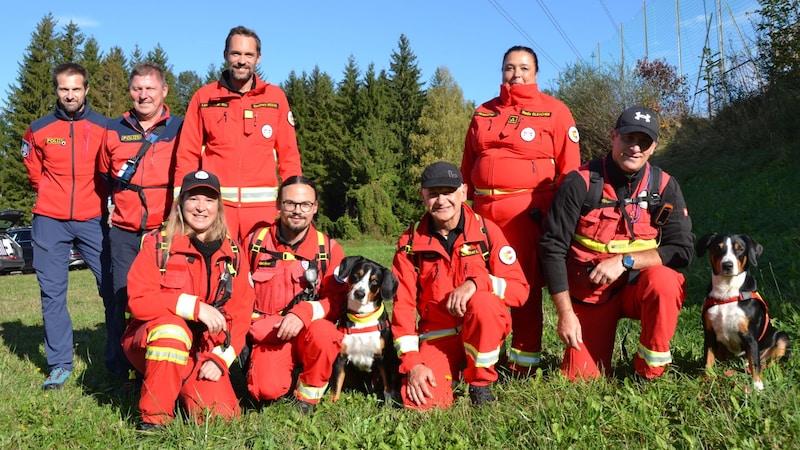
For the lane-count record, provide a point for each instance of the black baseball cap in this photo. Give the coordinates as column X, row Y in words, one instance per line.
column 200, row 178
column 638, row 119
column 441, row 174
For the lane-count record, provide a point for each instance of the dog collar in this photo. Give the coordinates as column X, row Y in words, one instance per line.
column 366, row 318
column 373, row 318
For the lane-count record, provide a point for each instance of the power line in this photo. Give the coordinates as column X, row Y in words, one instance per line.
column 560, row 30
column 539, row 51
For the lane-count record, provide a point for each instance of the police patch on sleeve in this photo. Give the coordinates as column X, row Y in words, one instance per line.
column 26, row 149
column 507, row 255
column 573, row 134
column 290, row 118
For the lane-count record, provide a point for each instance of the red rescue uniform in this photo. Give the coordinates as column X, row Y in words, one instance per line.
column 247, row 140
column 164, row 339
column 518, row 147
column 278, row 276
column 427, row 275
column 573, row 243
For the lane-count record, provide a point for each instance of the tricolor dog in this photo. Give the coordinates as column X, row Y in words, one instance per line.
column 735, row 317
column 367, row 345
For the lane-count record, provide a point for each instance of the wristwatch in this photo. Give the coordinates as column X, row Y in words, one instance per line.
column 627, row 261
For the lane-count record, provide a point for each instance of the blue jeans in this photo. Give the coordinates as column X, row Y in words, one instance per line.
column 52, row 240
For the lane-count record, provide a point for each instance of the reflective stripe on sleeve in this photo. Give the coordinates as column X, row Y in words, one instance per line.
column 185, row 306
column 405, row 344
column 318, row 311
column 498, row 286
column 228, row 354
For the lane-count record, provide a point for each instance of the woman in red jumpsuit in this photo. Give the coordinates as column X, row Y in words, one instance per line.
column 518, row 147
column 190, row 304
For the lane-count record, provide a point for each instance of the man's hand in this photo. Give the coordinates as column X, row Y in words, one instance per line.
column 457, row 300
column 569, row 329
column 212, row 318
column 289, row 327
column 209, row 371
column 420, row 379
column 607, row 271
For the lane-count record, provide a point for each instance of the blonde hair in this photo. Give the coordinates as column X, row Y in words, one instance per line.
column 176, row 225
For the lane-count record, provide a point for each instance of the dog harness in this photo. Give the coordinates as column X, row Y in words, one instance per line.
column 742, row 296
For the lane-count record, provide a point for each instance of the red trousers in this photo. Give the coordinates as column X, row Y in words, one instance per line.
column 655, row 299
column 162, row 350
column 522, row 228
column 475, row 350
column 242, row 220
column 272, row 361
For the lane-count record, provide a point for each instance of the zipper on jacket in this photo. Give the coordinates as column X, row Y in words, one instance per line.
column 72, row 156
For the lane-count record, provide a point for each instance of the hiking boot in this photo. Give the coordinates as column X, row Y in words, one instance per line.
column 305, row 408
column 57, row 378
column 480, row 395
column 149, row 427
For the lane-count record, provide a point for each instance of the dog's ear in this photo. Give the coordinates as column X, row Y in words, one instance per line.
column 754, row 249
column 347, row 265
column 702, row 244
column 389, row 285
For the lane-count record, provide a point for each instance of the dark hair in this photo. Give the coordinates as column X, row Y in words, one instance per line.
column 522, row 48
column 297, row 179
column 243, row 31
column 147, row 68
column 70, row 69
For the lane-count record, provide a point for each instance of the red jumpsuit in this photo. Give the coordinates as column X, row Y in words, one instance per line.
column 573, row 243
column 439, row 340
column 278, row 276
column 247, row 140
column 164, row 340
column 518, row 147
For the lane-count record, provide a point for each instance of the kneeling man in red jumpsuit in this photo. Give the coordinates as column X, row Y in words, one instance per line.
column 460, row 276
column 615, row 255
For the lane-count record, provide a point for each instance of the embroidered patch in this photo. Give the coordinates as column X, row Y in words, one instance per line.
column 26, row 149
column 574, row 136
column 466, row 250
column 290, row 118
column 527, row 134
column 266, row 131
column 507, row 255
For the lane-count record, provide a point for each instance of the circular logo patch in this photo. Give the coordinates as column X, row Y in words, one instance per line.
column 26, row 149
column 290, row 118
column 574, row 136
column 507, row 255
column 266, row 131
column 201, row 175
column 527, row 134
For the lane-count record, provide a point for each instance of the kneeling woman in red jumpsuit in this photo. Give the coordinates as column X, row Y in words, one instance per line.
column 190, row 309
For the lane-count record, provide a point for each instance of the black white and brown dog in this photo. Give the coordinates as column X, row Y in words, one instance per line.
column 735, row 317
column 367, row 349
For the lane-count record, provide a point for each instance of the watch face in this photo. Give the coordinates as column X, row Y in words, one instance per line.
column 627, row 261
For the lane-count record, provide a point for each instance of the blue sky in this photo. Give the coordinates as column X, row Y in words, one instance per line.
column 467, row 36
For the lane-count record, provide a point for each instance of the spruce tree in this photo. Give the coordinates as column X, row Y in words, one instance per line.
column 111, row 88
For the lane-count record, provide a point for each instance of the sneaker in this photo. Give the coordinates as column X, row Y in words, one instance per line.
column 148, row 427
column 57, row 378
column 480, row 395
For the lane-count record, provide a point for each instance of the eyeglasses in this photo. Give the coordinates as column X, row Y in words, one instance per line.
column 289, row 205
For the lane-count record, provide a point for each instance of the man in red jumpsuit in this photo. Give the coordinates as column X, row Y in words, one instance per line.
column 293, row 260
column 460, row 275
column 241, row 129
column 617, row 257
column 518, row 147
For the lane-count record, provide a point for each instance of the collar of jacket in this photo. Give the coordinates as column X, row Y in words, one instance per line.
column 518, row 93
column 79, row 115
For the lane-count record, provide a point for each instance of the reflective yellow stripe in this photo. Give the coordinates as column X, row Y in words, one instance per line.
column 405, row 344
column 185, row 306
column 653, row 358
column 318, row 312
column 169, row 331
column 166, row 354
column 524, row 359
column 499, row 191
column 620, row 246
column 249, row 194
column 307, row 392
column 436, row 334
column 498, row 286
column 228, row 354
column 487, row 359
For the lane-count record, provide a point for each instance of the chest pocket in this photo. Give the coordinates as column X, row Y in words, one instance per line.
column 176, row 276
column 276, row 285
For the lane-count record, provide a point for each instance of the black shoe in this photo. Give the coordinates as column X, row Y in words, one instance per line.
column 305, row 408
column 480, row 395
column 149, row 427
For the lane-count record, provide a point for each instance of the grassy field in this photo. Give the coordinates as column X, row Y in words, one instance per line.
column 729, row 188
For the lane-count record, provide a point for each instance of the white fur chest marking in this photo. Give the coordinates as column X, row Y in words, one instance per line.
column 362, row 348
column 725, row 320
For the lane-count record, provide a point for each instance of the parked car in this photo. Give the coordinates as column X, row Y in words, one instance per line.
column 75, row 259
column 11, row 256
column 22, row 235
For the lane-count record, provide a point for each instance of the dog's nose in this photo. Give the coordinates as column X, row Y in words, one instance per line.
column 359, row 294
column 727, row 266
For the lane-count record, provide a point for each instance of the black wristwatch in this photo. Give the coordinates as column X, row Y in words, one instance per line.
column 627, row 261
